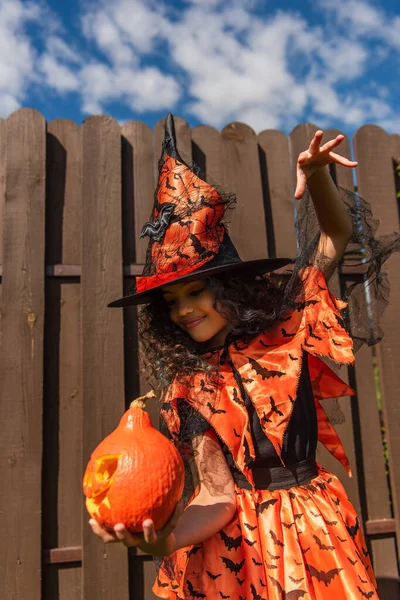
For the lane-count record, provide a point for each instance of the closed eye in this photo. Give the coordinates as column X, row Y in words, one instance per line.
column 197, row 292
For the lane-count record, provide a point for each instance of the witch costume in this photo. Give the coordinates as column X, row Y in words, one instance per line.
column 295, row 533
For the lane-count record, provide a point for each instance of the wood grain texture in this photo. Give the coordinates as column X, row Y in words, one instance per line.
column 105, row 572
column 21, row 360
column 375, row 151
column 242, row 177
column 62, row 436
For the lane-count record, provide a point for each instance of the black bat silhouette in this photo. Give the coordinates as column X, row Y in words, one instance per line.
column 336, row 343
column 337, row 501
column 274, row 408
column 287, row 525
column 222, row 595
column 206, row 389
column 232, row 566
column 215, row 411
column 284, row 320
column 240, row 581
column 156, row 229
column 230, row 542
column 298, row 516
column 265, row 373
column 251, row 527
column 265, row 418
column 322, row 486
column 362, row 580
column 324, row 576
column 264, row 505
column 258, row 564
column 236, row 398
column 273, row 556
column 315, row 514
column 341, row 539
column 311, row 334
column 211, row 576
column 270, row 566
column 308, row 345
column 174, row 586
column 168, row 186
column 353, row 529
column 331, row 522
column 262, row 584
column 236, row 433
column 192, row 551
column 306, row 303
column 249, row 380
column 297, row 563
column 241, row 598
column 254, row 593
column 292, row 357
column 286, row 334
column 160, row 584
column 366, row 594
column 326, row 326
column 292, row 595
column 322, row 546
column 306, row 550
column 267, row 345
column 275, row 539
column 353, row 562
column 296, row 580
column 193, row 593
column 201, row 250
column 249, row 543
column 365, row 552
column 182, row 254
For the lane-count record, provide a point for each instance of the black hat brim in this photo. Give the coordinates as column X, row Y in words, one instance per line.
column 262, row 265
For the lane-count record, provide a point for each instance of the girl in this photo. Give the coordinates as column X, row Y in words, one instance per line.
column 235, row 350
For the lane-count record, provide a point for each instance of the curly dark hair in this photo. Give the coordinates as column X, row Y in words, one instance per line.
column 250, row 302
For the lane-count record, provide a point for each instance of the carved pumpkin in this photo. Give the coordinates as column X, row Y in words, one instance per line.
column 134, row 473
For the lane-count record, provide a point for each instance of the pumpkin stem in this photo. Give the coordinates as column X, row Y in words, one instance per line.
column 141, row 401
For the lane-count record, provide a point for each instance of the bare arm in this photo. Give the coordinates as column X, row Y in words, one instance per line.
column 312, row 171
column 215, row 505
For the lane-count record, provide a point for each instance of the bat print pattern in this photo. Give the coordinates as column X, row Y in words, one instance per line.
column 285, row 544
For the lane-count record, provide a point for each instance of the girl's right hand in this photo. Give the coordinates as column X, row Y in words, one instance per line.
column 156, row 543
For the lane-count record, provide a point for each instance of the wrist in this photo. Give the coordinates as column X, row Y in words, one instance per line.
column 318, row 172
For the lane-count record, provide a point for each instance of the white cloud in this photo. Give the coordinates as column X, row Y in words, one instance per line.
column 17, row 54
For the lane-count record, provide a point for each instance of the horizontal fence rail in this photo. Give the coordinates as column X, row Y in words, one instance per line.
column 72, row 203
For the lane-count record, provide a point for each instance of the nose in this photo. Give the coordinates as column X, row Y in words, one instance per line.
column 184, row 308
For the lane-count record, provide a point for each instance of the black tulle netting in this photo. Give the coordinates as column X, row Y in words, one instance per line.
column 367, row 296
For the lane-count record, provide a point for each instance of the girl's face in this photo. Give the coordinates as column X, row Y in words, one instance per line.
column 191, row 308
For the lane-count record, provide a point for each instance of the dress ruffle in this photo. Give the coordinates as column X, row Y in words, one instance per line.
column 305, row 542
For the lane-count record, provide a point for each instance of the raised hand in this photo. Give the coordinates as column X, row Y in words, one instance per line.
column 157, row 543
column 317, row 156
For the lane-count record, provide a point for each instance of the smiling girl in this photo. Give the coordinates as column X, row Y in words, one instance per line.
column 235, row 349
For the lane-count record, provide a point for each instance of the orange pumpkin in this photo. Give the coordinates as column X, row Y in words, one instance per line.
column 135, row 473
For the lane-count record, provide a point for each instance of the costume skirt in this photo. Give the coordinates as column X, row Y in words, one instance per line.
column 302, row 542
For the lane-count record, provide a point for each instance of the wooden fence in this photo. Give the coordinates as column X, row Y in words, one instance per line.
column 72, row 202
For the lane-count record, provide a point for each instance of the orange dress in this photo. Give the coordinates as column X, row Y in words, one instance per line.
column 295, row 533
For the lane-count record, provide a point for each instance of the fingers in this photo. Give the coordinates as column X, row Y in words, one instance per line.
column 127, row 538
column 103, row 534
column 149, row 532
column 328, row 146
column 316, row 141
column 300, row 185
column 342, row 160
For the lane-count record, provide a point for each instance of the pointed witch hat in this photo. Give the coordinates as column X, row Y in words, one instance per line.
column 187, row 238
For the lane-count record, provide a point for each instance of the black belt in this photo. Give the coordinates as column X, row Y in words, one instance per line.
column 278, row 478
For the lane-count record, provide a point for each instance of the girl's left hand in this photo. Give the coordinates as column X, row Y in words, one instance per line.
column 318, row 156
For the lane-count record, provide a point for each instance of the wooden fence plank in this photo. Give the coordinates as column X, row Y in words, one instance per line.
column 278, row 193
column 2, row 198
column 21, row 361
column 374, row 151
column 248, row 228
column 105, row 567
column 338, row 410
column 138, row 187
column 62, row 503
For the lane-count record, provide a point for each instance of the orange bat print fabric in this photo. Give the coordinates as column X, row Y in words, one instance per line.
column 303, row 542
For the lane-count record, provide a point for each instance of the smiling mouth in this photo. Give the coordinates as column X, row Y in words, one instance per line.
column 193, row 323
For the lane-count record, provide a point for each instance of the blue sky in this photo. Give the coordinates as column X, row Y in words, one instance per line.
column 270, row 64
